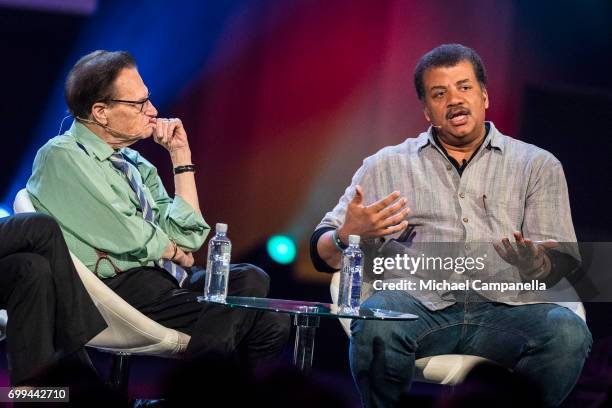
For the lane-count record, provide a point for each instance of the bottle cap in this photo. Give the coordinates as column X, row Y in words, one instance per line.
column 222, row 228
column 354, row 239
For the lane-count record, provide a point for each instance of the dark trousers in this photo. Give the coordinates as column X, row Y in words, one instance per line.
column 51, row 316
column 217, row 332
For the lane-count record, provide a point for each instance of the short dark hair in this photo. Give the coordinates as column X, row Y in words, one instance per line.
column 447, row 55
column 91, row 79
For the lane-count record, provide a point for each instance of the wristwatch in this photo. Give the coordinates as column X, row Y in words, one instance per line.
column 338, row 242
column 184, row 169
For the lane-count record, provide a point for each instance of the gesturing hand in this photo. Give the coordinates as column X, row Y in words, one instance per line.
column 381, row 218
column 529, row 257
column 171, row 134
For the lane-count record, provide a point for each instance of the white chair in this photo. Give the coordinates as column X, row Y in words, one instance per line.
column 128, row 332
column 446, row 369
column 3, row 319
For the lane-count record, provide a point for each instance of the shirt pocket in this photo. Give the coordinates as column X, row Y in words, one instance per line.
column 503, row 216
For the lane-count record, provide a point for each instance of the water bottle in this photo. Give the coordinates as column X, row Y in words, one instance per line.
column 349, row 295
column 217, row 266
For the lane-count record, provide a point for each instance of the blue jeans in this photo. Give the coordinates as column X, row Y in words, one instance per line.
column 546, row 343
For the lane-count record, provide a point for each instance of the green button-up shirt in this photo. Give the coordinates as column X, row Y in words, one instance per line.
column 74, row 181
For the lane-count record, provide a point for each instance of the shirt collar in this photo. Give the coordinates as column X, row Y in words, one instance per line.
column 492, row 139
column 495, row 139
column 92, row 143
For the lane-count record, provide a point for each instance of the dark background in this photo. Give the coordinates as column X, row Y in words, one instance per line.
column 282, row 101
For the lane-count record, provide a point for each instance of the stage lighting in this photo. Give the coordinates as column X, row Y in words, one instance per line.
column 281, row 249
column 4, row 211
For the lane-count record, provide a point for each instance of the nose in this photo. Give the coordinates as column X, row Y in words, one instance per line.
column 150, row 109
column 453, row 97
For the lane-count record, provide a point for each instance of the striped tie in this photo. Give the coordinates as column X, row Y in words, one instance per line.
column 120, row 163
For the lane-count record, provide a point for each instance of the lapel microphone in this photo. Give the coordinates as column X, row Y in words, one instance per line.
column 109, row 129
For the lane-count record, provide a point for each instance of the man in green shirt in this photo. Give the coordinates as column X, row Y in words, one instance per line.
column 118, row 219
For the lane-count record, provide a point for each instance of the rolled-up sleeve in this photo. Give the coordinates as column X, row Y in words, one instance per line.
column 179, row 220
column 184, row 225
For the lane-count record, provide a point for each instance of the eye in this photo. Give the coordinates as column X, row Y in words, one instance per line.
column 438, row 94
column 466, row 87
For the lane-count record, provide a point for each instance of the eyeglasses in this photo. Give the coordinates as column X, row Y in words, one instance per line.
column 137, row 104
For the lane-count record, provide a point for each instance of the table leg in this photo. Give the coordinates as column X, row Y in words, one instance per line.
column 306, row 327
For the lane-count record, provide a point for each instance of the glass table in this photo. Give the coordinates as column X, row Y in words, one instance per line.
column 306, row 319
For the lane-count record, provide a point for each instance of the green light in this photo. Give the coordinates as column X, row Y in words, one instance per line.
column 281, row 249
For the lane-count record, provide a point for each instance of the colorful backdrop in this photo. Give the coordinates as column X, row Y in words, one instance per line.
column 283, row 99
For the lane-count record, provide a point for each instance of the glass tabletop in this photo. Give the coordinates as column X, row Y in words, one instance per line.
column 300, row 307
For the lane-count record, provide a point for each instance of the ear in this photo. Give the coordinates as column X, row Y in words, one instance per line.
column 98, row 112
column 427, row 113
column 485, row 98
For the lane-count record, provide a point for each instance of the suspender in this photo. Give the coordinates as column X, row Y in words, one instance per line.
column 101, row 256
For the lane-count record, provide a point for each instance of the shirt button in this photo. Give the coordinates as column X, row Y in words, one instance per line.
column 465, row 219
column 448, row 167
column 462, row 195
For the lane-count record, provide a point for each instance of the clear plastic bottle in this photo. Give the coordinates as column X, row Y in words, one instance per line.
column 349, row 296
column 217, row 266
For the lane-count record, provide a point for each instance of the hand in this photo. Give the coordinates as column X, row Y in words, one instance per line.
column 381, row 218
column 171, row 134
column 185, row 259
column 530, row 257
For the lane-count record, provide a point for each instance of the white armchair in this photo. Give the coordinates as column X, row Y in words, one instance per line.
column 128, row 332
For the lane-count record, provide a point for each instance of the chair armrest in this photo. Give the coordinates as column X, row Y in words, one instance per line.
column 3, row 321
column 128, row 330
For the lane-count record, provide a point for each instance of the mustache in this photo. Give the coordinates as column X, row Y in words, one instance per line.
column 456, row 112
